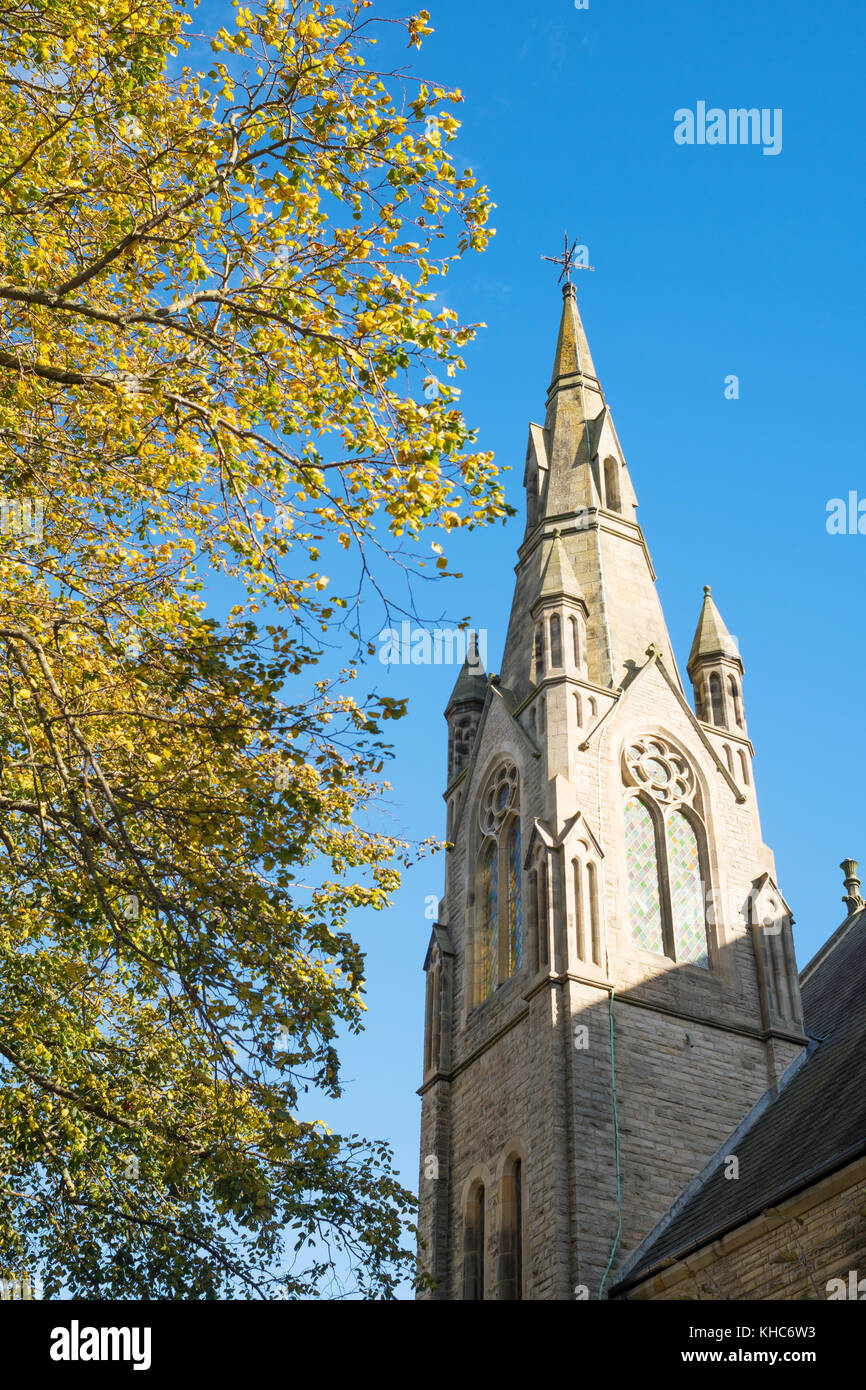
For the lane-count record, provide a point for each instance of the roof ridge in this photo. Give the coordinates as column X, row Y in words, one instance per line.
column 829, row 946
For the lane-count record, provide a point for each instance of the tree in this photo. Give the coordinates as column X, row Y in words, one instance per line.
column 218, row 357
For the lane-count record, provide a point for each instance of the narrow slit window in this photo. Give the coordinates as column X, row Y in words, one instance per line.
column 575, row 640
column 611, row 485
column 595, row 930
column 539, row 653
column 555, row 640
column 717, row 700
column 736, row 702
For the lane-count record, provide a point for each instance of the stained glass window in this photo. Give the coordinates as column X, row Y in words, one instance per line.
column 644, row 898
column 498, row 952
column 490, row 920
column 515, row 906
column 687, row 892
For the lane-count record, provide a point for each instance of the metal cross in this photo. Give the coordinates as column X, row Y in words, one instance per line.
column 566, row 260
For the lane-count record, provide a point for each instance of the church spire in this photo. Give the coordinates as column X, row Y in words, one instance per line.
column 575, row 416
column 578, row 485
column 602, row 846
column 573, row 356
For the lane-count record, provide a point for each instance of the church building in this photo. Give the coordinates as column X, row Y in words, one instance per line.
column 621, row 1092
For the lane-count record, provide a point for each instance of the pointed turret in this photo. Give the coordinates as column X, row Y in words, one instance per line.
column 715, row 668
column 463, row 710
column 558, row 578
column 712, row 638
column 560, row 613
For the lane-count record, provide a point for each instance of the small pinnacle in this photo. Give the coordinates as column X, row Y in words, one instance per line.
column 852, row 897
column 706, row 588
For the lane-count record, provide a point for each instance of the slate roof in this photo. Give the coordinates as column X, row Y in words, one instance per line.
column 814, row 1125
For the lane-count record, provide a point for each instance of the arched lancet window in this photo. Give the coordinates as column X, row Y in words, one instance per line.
column 474, row 1244
column 490, row 919
column 644, row 890
column 437, row 1017
column 594, row 925
column 736, row 702
column 729, row 759
column 428, row 1022
column 579, row 908
column 518, row 1228
column 499, row 930
column 611, row 485
column 433, row 1012
column 593, row 707
column 744, row 767
column 578, row 710
column 664, row 839
column 586, row 915
column 510, row 1282
column 532, row 496
column 686, row 889
column 555, row 640
column 539, row 652
column 515, row 905
column 717, row 700
column 541, row 713
column 540, row 885
column 575, row 640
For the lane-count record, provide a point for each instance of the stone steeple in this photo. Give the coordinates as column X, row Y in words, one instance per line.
column 611, row 982
column 578, row 486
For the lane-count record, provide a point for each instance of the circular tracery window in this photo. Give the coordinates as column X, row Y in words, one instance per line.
column 660, row 770
column 499, row 797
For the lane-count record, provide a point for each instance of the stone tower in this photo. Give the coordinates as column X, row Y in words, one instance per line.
column 612, row 984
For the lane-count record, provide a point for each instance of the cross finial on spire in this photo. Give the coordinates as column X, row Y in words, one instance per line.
column 568, row 262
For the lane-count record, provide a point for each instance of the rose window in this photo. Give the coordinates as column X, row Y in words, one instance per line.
column 660, row 770
column 498, row 799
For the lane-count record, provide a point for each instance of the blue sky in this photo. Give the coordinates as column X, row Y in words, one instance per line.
column 709, row 261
